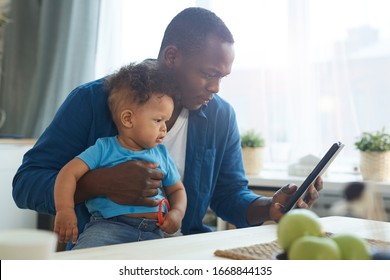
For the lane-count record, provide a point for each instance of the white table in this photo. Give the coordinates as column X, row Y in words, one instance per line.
column 203, row 246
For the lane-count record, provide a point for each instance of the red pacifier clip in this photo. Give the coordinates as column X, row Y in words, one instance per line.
column 160, row 215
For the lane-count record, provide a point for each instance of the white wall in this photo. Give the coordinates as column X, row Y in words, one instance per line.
column 10, row 215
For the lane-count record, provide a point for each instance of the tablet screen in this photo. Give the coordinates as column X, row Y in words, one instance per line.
column 317, row 171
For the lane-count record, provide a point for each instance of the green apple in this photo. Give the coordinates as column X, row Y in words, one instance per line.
column 297, row 223
column 314, row 248
column 352, row 247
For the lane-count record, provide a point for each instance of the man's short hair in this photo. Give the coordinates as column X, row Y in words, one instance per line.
column 189, row 29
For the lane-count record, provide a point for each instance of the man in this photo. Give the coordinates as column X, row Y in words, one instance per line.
column 203, row 138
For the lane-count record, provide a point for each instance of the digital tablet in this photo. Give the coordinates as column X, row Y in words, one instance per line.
column 317, row 171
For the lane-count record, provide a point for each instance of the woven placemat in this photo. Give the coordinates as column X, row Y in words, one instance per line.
column 268, row 251
column 264, row 251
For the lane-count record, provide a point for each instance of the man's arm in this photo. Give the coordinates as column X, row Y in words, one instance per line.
column 131, row 182
column 81, row 120
column 128, row 183
column 271, row 208
column 67, row 136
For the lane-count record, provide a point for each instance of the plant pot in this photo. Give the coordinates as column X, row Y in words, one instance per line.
column 253, row 160
column 375, row 166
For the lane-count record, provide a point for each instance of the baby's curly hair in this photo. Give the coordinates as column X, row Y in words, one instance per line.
column 135, row 83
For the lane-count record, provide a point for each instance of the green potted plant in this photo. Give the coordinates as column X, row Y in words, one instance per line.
column 252, row 144
column 374, row 150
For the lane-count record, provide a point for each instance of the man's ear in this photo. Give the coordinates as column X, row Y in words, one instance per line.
column 127, row 118
column 171, row 56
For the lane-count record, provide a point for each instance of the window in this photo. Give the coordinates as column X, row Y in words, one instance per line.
column 306, row 74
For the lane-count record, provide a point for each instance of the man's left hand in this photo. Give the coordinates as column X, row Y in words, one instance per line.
column 284, row 194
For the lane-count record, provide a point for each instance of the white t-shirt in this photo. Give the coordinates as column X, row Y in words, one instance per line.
column 176, row 141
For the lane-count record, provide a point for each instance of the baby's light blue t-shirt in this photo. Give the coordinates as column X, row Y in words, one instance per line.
column 107, row 152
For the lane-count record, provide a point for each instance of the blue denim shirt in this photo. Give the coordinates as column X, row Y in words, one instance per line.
column 214, row 174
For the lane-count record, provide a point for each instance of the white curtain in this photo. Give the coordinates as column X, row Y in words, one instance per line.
column 306, row 74
column 49, row 49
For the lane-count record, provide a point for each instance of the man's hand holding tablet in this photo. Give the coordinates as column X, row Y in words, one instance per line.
column 316, row 174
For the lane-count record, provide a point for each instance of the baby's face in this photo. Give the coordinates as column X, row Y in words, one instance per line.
column 149, row 122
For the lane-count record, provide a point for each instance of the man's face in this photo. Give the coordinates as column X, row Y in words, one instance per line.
column 199, row 75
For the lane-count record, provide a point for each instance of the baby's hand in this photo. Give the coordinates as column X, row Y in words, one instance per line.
column 172, row 221
column 65, row 225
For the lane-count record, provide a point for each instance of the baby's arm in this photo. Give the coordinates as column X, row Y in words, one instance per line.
column 65, row 224
column 178, row 201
